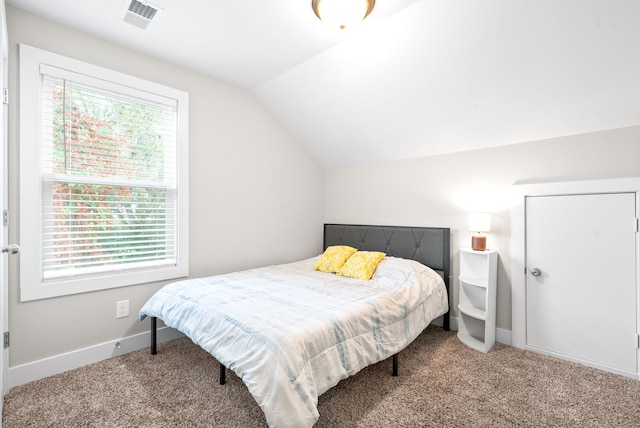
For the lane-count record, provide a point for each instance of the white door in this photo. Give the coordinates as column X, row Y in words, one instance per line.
column 581, row 278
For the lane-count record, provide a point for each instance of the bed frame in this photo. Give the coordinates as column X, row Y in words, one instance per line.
column 427, row 245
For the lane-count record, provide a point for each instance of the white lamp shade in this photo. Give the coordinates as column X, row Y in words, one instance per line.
column 480, row 222
column 342, row 15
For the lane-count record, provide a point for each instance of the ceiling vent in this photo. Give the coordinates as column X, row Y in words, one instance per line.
column 140, row 14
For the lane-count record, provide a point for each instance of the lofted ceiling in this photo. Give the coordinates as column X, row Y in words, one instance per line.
column 416, row 78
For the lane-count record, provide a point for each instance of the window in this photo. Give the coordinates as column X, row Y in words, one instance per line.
column 103, row 178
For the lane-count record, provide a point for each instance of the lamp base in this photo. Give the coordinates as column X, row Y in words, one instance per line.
column 478, row 243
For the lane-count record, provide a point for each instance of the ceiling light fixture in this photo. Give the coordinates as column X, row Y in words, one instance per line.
column 342, row 15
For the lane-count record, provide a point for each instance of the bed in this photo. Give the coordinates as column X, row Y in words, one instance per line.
column 291, row 333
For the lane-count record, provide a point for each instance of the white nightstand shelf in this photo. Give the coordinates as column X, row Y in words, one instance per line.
column 472, row 342
column 473, row 312
column 477, row 298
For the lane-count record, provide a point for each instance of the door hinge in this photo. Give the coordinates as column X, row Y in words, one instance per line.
column 6, row 339
column 5, row 217
column 637, row 225
column 5, row 95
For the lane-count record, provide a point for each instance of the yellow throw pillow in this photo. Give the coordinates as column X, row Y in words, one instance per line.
column 333, row 258
column 361, row 264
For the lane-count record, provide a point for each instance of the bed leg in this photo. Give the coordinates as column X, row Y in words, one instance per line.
column 445, row 322
column 154, row 341
column 395, row 365
column 222, row 374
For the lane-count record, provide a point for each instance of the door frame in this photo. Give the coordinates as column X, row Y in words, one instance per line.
column 4, row 188
column 518, row 227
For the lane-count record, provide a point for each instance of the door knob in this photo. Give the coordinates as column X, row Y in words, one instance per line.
column 535, row 272
column 11, row 249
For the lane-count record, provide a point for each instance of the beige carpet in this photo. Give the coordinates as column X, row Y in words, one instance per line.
column 441, row 384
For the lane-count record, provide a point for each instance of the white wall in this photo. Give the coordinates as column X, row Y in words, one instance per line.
column 255, row 194
column 441, row 190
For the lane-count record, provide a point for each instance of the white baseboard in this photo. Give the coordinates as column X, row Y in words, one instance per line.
column 35, row 370
column 50, row 366
column 453, row 323
column 502, row 336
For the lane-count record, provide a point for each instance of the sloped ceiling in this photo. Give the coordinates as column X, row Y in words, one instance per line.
column 418, row 77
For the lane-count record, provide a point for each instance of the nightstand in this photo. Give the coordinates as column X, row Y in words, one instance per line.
column 477, row 298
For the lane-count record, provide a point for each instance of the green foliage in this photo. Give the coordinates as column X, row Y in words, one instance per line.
column 115, row 139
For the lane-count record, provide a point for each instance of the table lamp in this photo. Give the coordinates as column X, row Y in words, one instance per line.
column 479, row 222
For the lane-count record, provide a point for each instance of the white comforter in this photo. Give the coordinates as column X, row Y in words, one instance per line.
column 291, row 333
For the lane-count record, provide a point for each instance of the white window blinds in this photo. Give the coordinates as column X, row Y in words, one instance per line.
column 109, row 185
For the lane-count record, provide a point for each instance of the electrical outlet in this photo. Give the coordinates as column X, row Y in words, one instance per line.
column 122, row 309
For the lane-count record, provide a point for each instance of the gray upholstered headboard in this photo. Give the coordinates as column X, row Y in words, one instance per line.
column 427, row 245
